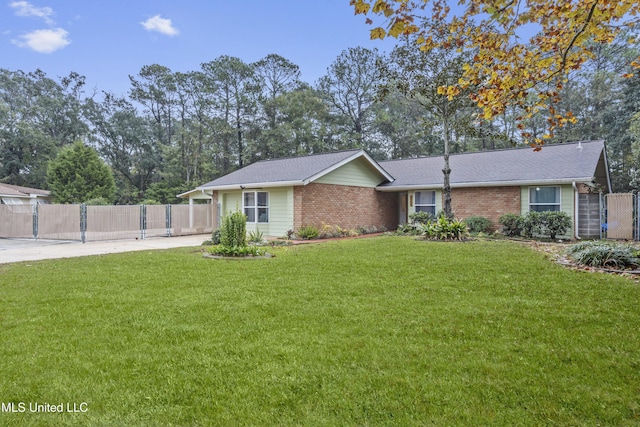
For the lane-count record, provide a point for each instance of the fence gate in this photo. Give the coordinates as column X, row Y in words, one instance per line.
column 94, row 223
column 620, row 216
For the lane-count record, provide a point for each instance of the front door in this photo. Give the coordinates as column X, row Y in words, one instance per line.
column 402, row 208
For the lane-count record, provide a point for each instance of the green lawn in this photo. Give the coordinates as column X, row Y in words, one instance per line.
column 380, row 331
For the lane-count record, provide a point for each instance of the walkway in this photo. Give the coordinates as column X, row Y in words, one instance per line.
column 17, row 250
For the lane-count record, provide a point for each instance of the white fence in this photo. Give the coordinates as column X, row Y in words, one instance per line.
column 94, row 223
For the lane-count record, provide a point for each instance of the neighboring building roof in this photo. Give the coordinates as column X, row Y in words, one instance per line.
column 553, row 164
column 18, row 191
column 15, row 194
column 289, row 171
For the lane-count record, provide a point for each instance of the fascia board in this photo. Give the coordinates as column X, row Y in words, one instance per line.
column 251, row 185
column 412, row 187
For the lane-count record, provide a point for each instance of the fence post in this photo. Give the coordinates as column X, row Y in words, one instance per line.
column 168, row 220
column 83, row 223
column 143, row 221
column 35, row 222
column 604, row 226
column 636, row 215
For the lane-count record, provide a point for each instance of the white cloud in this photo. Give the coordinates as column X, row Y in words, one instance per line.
column 44, row 41
column 24, row 8
column 161, row 25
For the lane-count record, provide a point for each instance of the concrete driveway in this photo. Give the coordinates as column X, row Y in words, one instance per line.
column 17, row 250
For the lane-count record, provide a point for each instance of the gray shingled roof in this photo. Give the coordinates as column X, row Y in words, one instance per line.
column 554, row 163
column 289, row 170
column 562, row 163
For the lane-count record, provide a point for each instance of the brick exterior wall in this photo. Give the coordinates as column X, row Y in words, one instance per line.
column 489, row 202
column 345, row 206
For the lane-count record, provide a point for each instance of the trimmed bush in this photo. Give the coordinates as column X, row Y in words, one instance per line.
column 421, row 217
column 546, row 224
column 215, row 236
column 477, row 224
column 555, row 223
column 512, row 224
column 532, row 224
column 536, row 224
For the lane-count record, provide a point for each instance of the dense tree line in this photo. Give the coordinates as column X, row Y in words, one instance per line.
column 176, row 130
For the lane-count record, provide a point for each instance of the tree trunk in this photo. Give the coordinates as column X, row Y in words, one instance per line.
column 446, row 171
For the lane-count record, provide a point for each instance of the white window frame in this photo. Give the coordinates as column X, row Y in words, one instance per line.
column 558, row 204
column 255, row 207
column 416, row 205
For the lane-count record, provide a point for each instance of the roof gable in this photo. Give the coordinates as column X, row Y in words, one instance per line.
column 358, row 173
column 290, row 171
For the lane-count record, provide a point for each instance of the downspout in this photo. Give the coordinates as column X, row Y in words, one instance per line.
column 576, row 215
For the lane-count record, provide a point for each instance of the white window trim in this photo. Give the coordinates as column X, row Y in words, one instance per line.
column 435, row 201
column 256, row 207
column 559, row 204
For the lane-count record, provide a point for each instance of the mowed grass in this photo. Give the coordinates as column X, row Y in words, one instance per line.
column 378, row 331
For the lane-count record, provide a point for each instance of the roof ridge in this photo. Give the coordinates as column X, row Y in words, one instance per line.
column 496, row 151
column 353, row 150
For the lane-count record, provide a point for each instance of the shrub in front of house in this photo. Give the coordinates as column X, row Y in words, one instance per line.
column 256, row 237
column 555, row 223
column 444, row 229
column 407, row 229
column 235, row 251
column 233, row 238
column 416, row 224
column 533, row 224
column 421, row 217
column 512, row 224
column 477, row 224
column 233, row 232
column 546, row 224
column 328, row 231
column 604, row 254
column 307, row 232
column 369, row 230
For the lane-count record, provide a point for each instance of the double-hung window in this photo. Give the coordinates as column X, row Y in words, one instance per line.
column 255, row 205
column 544, row 199
column 425, row 201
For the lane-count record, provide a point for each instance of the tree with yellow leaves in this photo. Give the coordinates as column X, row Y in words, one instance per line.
column 524, row 48
column 421, row 76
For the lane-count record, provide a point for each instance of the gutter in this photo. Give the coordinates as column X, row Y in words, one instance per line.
column 252, row 186
column 410, row 187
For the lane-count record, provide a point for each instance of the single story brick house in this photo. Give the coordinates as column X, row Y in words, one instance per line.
column 350, row 189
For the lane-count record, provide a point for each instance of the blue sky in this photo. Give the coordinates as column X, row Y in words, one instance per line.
column 108, row 40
